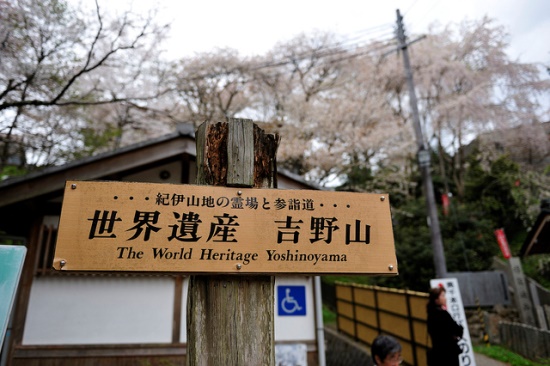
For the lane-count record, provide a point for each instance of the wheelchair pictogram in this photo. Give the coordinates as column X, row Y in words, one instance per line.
column 289, row 304
column 292, row 300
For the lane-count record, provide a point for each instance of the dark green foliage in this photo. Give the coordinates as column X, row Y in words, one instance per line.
column 94, row 141
column 12, row 171
column 497, row 195
column 358, row 177
column 505, row 355
column 538, row 268
column 413, row 248
column 469, row 240
column 503, row 194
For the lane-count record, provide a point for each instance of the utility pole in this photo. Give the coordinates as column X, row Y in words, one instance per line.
column 423, row 159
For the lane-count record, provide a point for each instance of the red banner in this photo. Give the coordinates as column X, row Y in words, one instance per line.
column 445, row 202
column 503, row 243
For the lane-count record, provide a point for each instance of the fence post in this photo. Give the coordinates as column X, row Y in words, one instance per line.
column 411, row 327
column 355, row 335
column 230, row 319
column 378, row 327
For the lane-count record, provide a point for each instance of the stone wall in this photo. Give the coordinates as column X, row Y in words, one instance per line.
column 483, row 323
column 341, row 351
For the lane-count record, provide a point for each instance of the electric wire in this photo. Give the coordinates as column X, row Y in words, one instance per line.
column 351, row 46
column 411, row 25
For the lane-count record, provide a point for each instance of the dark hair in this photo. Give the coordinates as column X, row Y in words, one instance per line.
column 433, row 295
column 383, row 346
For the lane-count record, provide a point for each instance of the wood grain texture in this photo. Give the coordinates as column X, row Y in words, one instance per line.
column 230, row 319
column 240, row 157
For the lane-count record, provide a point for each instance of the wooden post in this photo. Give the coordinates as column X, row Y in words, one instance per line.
column 230, row 319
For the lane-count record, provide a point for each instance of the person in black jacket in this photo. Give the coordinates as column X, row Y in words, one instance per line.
column 444, row 331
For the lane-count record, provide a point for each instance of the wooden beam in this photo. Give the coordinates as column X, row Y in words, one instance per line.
column 230, row 319
column 95, row 351
column 178, row 295
column 54, row 180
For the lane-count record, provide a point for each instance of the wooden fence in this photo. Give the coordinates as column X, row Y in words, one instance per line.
column 530, row 342
column 364, row 311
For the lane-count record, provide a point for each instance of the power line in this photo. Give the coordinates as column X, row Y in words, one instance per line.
column 426, row 12
column 323, row 52
column 327, row 52
column 384, row 29
column 410, row 7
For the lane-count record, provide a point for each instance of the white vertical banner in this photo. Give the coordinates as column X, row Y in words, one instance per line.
column 455, row 307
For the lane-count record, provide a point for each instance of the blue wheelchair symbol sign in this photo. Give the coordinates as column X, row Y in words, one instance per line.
column 292, row 300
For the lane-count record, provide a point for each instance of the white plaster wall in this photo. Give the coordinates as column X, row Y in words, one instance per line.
column 122, row 310
column 100, row 310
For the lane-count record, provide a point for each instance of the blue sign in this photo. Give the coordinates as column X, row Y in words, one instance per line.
column 292, row 300
column 11, row 264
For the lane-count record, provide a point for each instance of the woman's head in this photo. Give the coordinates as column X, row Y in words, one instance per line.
column 386, row 351
column 437, row 297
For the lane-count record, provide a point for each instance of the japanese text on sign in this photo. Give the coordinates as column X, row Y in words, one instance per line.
column 133, row 225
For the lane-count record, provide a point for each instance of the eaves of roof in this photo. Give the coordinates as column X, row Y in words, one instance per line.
column 52, row 178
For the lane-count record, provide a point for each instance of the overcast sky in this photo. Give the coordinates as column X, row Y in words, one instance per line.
column 255, row 26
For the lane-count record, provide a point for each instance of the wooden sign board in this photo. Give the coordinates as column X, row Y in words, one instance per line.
column 147, row 227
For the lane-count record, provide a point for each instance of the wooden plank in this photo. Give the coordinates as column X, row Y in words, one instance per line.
column 178, row 309
column 366, row 334
column 418, row 306
column 99, row 351
column 421, row 333
column 364, row 296
column 343, row 292
column 240, row 162
column 24, row 291
column 151, row 227
column 395, row 324
column 407, row 353
column 345, row 308
column 367, row 316
column 394, row 302
column 230, row 318
column 347, row 326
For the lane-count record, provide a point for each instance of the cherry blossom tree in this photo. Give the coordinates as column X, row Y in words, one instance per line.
column 211, row 86
column 58, row 63
column 467, row 85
